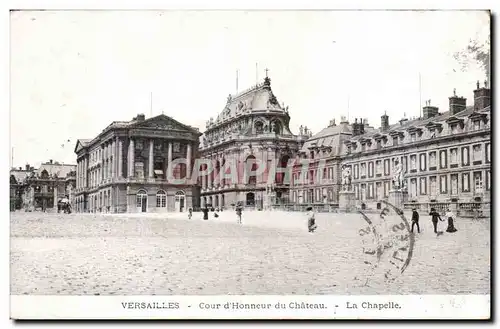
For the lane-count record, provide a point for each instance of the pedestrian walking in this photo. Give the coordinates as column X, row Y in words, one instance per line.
column 311, row 220
column 239, row 210
column 216, row 213
column 190, row 213
column 414, row 220
column 435, row 217
column 205, row 213
column 451, row 227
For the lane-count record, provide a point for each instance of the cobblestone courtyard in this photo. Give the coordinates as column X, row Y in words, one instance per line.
column 271, row 253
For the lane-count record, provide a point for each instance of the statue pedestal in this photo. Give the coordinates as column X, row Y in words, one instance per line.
column 346, row 200
column 397, row 198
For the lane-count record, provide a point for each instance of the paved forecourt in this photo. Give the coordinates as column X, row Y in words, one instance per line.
column 271, row 253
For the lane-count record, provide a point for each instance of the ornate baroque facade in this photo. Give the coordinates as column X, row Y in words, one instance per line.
column 446, row 159
column 42, row 188
column 125, row 168
column 253, row 128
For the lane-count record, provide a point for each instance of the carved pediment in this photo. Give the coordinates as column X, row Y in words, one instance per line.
column 162, row 122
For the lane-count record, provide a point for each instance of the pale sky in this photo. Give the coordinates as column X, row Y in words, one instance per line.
column 74, row 72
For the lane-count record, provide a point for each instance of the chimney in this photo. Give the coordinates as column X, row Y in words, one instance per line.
column 361, row 126
column 457, row 104
column 429, row 111
column 355, row 127
column 141, row 117
column 482, row 97
column 20, row 168
column 50, row 161
column 27, row 167
column 384, row 122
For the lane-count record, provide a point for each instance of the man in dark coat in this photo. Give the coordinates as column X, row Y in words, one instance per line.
column 435, row 217
column 414, row 220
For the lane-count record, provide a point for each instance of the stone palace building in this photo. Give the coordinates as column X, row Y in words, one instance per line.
column 43, row 187
column 124, row 168
column 252, row 126
column 445, row 158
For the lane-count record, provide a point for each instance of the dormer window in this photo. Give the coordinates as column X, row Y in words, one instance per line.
column 413, row 137
column 477, row 125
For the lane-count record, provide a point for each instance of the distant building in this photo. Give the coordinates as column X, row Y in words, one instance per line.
column 446, row 158
column 124, row 168
column 45, row 186
column 252, row 126
column 18, row 185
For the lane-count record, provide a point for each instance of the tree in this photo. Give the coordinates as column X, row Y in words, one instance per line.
column 476, row 51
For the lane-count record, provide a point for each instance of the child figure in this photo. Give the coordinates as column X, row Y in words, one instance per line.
column 311, row 220
column 190, row 213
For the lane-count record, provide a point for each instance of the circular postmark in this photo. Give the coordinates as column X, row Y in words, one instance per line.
column 386, row 242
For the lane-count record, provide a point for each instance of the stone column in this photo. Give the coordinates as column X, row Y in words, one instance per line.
column 85, row 171
column 55, row 197
column 113, row 159
column 212, row 174
column 169, row 160
column 120, row 158
column 188, row 160
column 131, row 148
column 150, row 162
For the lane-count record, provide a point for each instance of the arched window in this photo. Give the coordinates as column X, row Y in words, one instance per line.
column 161, row 199
column 250, row 199
column 44, row 174
column 141, row 197
column 259, row 127
column 280, row 174
column 251, row 169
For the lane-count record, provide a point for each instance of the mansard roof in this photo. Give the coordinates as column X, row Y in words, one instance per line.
column 255, row 99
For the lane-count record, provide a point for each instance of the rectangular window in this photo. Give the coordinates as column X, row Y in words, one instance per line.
column 423, row 162
column 356, row 171
column 478, row 182
column 433, row 185
column 413, row 162
column 453, row 156
column 378, row 167
column 487, row 151
column 443, row 183
column 363, row 170
column 294, row 196
column 465, row 182
column 454, row 184
column 387, row 169
column 386, row 188
column 370, row 169
column 330, row 172
column 443, row 159
column 476, row 153
column 413, row 187
column 356, row 192
column 488, row 182
column 370, row 191
column 465, row 156
column 432, row 160
column 379, row 193
column 423, row 186
column 405, row 163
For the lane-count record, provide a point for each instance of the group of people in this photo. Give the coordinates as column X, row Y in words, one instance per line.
column 435, row 217
column 238, row 208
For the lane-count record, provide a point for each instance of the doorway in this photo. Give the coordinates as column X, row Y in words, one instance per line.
column 142, row 201
column 180, row 198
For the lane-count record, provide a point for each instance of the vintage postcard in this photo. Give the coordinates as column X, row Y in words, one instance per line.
column 250, row 164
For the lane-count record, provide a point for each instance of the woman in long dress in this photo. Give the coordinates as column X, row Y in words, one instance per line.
column 451, row 228
column 311, row 220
